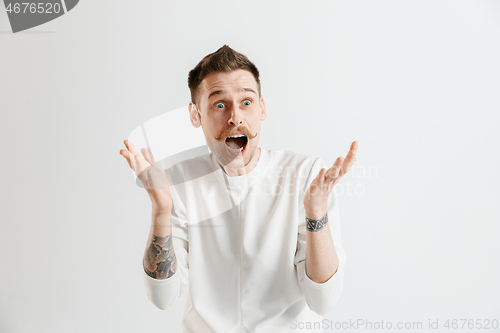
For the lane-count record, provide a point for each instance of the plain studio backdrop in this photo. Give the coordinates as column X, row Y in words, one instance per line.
column 417, row 83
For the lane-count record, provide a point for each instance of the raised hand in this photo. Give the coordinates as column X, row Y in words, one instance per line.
column 316, row 196
column 153, row 179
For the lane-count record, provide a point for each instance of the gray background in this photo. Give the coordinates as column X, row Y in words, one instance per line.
column 415, row 82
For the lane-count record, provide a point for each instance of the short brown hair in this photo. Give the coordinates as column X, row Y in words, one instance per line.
column 224, row 60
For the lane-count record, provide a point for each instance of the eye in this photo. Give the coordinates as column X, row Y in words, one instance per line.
column 219, row 105
column 247, row 102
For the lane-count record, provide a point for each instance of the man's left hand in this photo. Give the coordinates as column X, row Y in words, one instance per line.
column 316, row 196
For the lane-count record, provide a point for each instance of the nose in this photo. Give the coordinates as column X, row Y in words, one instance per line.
column 236, row 118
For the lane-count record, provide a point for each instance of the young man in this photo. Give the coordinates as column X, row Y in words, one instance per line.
column 235, row 225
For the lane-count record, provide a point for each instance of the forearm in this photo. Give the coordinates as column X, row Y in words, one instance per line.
column 322, row 261
column 159, row 260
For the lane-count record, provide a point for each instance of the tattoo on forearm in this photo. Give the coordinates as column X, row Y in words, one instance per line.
column 316, row 225
column 161, row 255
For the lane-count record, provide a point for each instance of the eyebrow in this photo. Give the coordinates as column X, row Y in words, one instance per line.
column 222, row 91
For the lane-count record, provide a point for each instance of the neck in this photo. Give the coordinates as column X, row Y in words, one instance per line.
column 233, row 172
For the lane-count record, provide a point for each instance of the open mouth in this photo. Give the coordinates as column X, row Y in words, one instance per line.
column 236, row 143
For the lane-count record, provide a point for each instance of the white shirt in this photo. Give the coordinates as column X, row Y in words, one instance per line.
column 240, row 244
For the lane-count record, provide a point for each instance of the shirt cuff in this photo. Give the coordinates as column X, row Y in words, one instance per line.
column 332, row 280
column 161, row 282
column 321, row 297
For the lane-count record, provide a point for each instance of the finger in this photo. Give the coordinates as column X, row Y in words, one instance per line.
column 350, row 158
column 143, row 177
column 136, row 164
column 336, row 181
column 346, row 166
column 354, row 146
column 148, row 156
column 154, row 178
column 321, row 176
column 126, row 154
column 132, row 154
column 351, row 154
column 317, row 183
column 334, row 171
column 130, row 147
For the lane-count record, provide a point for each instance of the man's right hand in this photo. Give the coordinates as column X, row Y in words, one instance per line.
column 153, row 179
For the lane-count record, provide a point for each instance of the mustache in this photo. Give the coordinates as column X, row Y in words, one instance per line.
column 242, row 130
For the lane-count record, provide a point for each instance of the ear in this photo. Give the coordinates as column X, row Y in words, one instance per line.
column 263, row 108
column 193, row 115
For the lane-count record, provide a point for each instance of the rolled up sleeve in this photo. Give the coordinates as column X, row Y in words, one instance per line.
column 163, row 292
column 320, row 297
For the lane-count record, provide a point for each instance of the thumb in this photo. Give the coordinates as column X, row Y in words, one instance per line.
column 126, row 155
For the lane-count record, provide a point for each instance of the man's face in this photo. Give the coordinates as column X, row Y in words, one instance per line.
column 230, row 106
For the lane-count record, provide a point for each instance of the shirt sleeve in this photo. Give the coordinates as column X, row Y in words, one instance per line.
column 320, row 297
column 163, row 292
